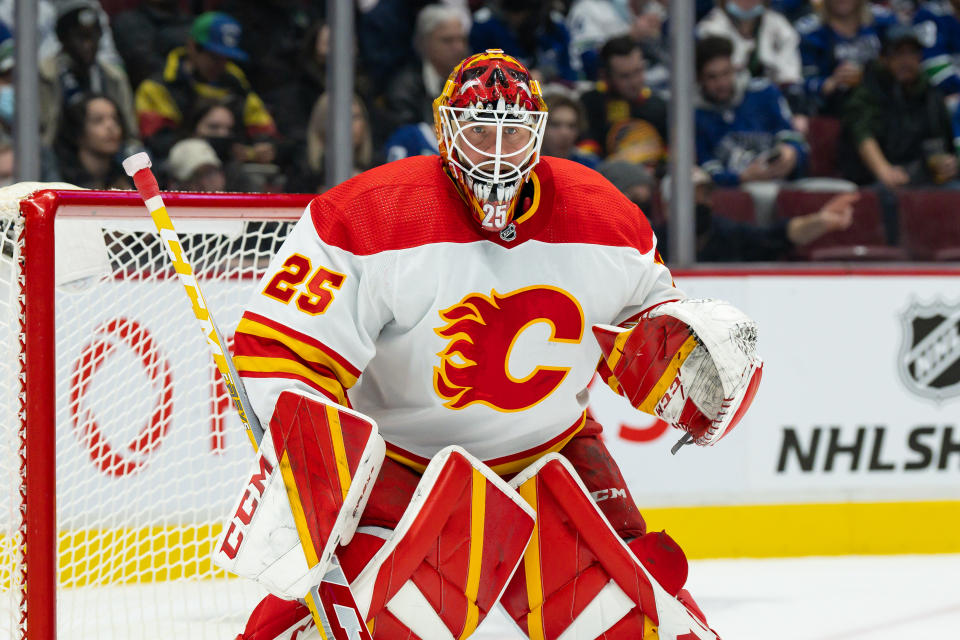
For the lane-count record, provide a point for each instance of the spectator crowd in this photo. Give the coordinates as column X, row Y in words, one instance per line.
column 813, row 118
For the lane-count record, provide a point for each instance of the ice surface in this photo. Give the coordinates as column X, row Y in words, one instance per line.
column 839, row 598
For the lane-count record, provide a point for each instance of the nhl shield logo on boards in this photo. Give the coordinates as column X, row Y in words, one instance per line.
column 929, row 359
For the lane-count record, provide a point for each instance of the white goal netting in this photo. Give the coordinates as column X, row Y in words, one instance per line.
column 149, row 452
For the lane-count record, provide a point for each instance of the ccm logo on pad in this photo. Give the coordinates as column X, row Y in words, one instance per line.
column 248, row 506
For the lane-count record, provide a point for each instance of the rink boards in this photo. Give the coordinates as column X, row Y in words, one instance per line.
column 852, row 445
column 853, row 442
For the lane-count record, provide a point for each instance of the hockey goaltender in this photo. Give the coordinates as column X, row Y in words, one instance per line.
column 477, row 293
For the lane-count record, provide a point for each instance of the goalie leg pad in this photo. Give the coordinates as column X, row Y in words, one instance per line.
column 580, row 580
column 311, row 481
column 450, row 556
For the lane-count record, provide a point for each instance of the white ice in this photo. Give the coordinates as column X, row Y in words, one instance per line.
column 837, row 598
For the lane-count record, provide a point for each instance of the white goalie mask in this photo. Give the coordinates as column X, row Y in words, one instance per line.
column 490, row 122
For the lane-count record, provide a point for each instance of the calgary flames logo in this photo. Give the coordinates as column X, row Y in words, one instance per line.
column 482, row 331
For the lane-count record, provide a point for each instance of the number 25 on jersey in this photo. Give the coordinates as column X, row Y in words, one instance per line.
column 318, row 293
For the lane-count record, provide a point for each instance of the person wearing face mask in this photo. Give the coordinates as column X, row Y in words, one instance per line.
column 765, row 44
column 720, row 239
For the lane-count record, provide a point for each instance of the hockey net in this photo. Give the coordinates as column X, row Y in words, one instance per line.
column 107, row 387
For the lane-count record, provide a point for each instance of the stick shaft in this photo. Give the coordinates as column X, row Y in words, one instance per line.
column 320, row 609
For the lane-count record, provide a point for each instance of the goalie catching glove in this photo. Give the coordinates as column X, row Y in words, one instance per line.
column 692, row 363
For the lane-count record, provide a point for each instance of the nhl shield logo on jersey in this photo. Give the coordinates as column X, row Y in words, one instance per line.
column 929, row 360
column 482, row 332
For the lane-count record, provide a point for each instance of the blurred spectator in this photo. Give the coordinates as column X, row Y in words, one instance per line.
column 412, row 140
column 743, row 133
column 441, row 41
column 193, row 165
column 385, row 37
column 88, row 145
column 792, row 9
column 835, row 45
column 719, row 239
column 217, row 122
column 145, row 35
column 275, row 32
column 203, row 69
column 7, row 176
column 309, row 175
column 49, row 45
column 624, row 117
column 897, row 122
column 633, row 181
column 76, row 71
column 938, row 27
column 530, row 31
column 765, row 45
column 565, row 124
column 593, row 22
column 7, row 62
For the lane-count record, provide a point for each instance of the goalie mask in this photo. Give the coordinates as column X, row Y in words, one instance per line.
column 490, row 120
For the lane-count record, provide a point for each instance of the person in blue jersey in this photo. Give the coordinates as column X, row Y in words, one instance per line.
column 743, row 132
column 411, row 140
column 938, row 26
column 835, row 45
column 531, row 32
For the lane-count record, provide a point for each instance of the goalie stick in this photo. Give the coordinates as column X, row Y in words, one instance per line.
column 331, row 600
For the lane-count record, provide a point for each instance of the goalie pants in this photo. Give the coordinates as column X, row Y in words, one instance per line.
column 396, row 484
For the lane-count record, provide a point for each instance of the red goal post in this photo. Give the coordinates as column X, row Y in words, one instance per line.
column 120, row 454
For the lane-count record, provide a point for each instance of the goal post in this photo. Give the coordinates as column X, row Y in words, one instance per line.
column 121, row 452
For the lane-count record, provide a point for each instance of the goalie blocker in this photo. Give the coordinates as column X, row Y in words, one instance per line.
column 693, row 363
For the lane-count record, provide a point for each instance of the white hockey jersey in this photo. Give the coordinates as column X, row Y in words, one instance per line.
column 389, row 298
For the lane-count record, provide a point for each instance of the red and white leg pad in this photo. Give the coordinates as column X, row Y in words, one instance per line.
column 438, row 572
column 319, row 457
column 580, row 581
column 451, row 555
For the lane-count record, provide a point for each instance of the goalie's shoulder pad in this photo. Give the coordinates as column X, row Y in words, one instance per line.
column 309, row 484
column 691, row 362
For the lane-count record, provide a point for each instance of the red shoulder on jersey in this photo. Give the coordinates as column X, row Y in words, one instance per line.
column 412, row 202
column 402, row 204
column 588, row 209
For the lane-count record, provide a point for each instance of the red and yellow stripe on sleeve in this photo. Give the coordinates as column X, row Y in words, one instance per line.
column 264, row 348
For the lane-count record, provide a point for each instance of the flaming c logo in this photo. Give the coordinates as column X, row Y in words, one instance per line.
column 482, row 330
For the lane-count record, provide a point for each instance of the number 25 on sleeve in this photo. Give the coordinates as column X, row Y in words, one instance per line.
column 318, row 294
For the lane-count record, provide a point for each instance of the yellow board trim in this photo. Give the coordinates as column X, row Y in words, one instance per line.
column 301, row 348
column 296, row 506
column 339, row 451
column 781, row 530
column 478, row 507
column 140, row 555
column 531, row 567
column 650, row 402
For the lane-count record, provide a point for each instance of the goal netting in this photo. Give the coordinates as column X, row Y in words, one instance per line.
column 107, row 386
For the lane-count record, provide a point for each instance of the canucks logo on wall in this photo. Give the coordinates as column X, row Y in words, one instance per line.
column 929, row 360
